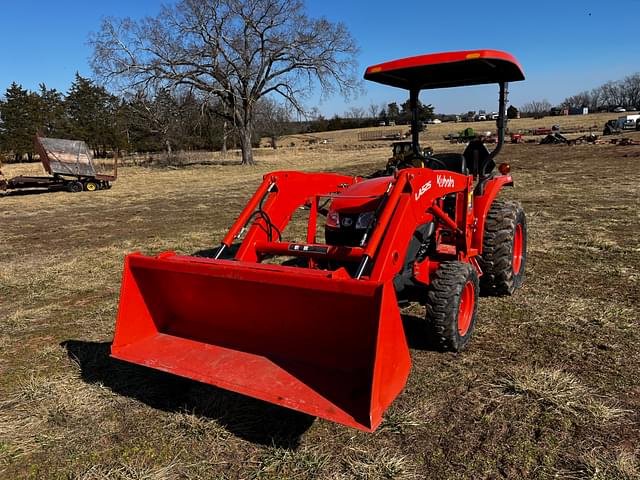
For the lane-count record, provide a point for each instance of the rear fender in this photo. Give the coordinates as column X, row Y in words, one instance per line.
column 482, row 204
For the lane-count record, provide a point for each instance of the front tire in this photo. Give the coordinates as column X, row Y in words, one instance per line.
column 452, row 305
column 504, row 249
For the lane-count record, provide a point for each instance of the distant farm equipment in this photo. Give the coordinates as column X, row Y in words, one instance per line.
column 628, row 122
column 381, row 135
column 71, row 166
column 469, row 134
column 612, row 127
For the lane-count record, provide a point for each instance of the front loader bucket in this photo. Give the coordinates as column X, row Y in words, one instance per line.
column 333, row 348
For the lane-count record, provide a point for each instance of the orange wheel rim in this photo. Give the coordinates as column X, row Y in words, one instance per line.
column 517, row 249
column 465, row 311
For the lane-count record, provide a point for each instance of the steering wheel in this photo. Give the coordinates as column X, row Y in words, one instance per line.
column 432, row 160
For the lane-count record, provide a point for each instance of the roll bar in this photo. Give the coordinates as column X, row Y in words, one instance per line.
column 501, row 123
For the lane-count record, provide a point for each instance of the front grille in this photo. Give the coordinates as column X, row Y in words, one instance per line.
column 348, row 237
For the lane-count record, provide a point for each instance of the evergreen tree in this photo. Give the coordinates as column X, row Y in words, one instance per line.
column 91, row 113
column 18, row 122
column 424, row 112
column 49, row 113
column 393, row 111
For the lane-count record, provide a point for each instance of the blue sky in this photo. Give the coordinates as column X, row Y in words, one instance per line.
column 564, row 47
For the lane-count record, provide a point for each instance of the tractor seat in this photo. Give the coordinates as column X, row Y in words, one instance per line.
column 453, row 162
column 478, row 158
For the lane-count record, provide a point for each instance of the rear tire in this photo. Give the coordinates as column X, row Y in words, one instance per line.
column 75, row 187
column 90, row 186
column 504, row 249
column 452, row 305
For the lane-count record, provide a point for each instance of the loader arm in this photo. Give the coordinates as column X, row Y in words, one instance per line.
column 279, row 195
column 417, row 204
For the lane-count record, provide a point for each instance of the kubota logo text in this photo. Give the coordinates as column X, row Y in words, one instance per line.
column 423, row 189
column 445, row 182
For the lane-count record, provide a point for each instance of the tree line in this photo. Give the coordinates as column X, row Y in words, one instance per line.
column 619, row 93
column 203, row 73
column 358, row 117
column 198, row 75
column 168, row 121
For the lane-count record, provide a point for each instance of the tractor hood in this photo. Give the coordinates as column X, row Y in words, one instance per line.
column 449, row 69
column 362, row 196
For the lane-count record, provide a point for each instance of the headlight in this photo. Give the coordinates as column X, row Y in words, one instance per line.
column 333, row 220
column 365, row 220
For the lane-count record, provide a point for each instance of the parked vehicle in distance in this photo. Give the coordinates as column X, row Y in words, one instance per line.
column 628, row 122
column 612, row 127
column 619, row 110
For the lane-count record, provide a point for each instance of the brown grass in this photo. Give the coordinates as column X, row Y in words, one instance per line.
column 560, row 392
column 547, row 389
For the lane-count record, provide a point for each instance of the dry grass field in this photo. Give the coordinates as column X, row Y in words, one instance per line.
column 549, row 387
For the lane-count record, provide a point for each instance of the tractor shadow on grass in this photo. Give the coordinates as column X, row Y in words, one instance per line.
column 417, row 334
column 35, row 191
column 228, row 254
column 247, row 418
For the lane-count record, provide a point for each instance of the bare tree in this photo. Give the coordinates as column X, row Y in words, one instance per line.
column 536, row 107
column 631, row 86
column 612, row 94
column 357, row 113
column 159, row 116
column 236, row 50
column 373, row 110
column 582, row 99
column 596, row 99
column 273, row 119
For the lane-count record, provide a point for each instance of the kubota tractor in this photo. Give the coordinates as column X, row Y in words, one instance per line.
column 323, row 333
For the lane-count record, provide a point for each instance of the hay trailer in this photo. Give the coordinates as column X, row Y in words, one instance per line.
column 70, row 166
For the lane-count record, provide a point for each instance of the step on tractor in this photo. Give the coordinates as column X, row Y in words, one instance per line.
column 316, row 325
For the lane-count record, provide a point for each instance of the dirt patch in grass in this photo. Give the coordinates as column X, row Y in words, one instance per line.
column 548, row 388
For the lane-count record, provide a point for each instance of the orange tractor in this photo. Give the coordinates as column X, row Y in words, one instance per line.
column 322, row 332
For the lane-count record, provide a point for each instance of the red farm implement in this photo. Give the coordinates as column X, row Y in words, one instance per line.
column 322, row 333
